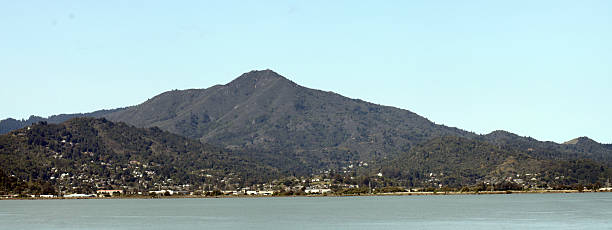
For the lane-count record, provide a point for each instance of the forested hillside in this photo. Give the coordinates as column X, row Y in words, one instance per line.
column 92, row 153
column 262, row 126
column 265, row 112
column 457, row 161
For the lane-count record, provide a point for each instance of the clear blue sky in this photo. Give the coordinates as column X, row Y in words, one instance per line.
column 535, row 68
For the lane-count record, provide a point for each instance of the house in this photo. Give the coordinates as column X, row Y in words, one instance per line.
column 251, row 192
column 102, row 193
column 47, row 196
column 609, row 189
column 229, row 192
column 162, row 192
column 170, row 192
column 9, row 196
column 79, row 195
column 317, row 190
column 265, row 193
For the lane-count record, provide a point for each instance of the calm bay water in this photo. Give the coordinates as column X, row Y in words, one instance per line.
column 524, row 211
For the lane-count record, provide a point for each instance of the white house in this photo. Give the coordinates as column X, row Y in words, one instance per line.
column 317, row 190
column 79, row 195
column 162, row 192
column 265, row 193
column 229, row 192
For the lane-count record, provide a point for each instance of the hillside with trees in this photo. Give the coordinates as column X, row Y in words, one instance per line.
column 95, row 153
column 265, row 112
column 262, row 126
column 457, row 161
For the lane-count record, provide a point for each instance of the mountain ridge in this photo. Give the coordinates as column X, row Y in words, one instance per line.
column 86, row 154
column 267, row 75
column 270, row 123
column 10, row 124
column 267, row 112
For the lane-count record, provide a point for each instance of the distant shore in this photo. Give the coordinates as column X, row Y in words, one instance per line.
column 313, row 195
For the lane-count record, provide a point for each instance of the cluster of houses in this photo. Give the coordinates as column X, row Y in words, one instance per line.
column 99, row 193
column 216, row 184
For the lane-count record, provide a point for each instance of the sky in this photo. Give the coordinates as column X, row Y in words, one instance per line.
column 535, row 68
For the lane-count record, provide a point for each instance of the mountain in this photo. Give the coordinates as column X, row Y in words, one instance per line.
column 10, row 124
column 457, row 161
column 270, row 121
column 88, row 153
column 85, row 154
column 579, row 148
column 266, row 112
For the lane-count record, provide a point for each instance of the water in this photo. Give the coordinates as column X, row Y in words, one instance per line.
column 515, row 211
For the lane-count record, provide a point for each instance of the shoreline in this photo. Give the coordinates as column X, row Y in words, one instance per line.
column 509, row 192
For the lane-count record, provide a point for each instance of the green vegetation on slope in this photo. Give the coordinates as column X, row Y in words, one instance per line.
column 266, row 125
column 266, row 113
column 456, row 161
column 92, row 153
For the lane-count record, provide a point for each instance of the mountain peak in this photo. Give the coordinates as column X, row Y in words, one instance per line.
column 580, row 140
column 257, row 76
column 501, row 133
column 266, row 73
